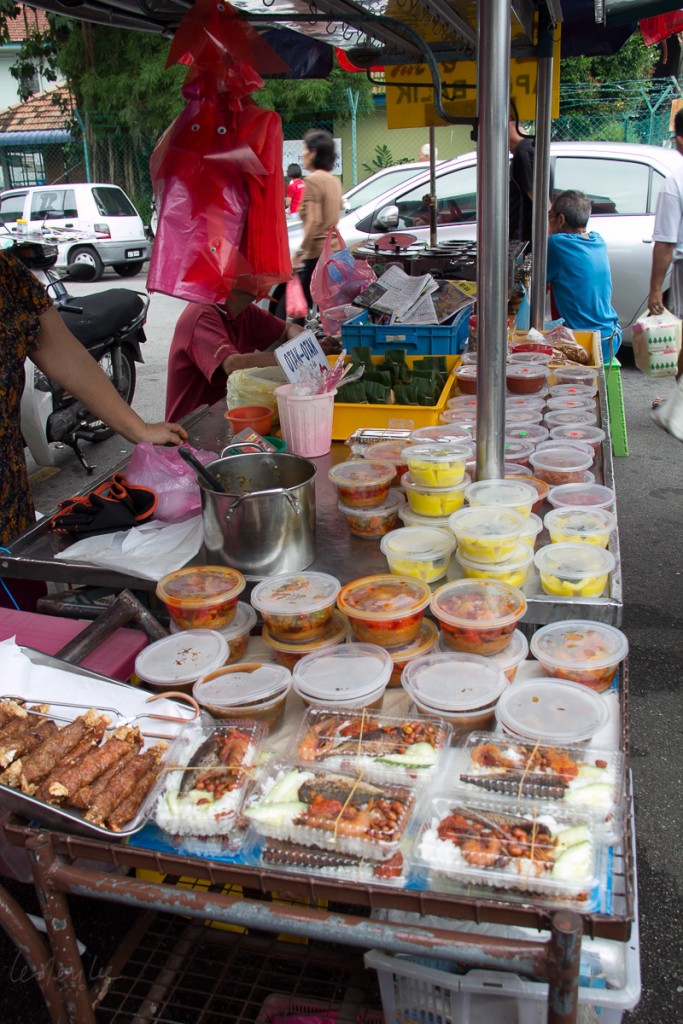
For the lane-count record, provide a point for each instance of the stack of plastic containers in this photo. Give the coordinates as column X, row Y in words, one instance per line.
column 298, row 611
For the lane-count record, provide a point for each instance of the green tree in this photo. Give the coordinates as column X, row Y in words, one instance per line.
column 310, row 98
column 634, row 61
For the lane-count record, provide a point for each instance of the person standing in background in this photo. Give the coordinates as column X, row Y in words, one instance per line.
column 424, row 153
column 294, row 190
column 321, row 204
column 668, row 235
column 521, row 183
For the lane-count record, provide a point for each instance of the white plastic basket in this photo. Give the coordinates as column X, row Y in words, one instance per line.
column 413, row 993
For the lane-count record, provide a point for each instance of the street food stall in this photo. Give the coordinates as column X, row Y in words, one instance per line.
column 377, row 862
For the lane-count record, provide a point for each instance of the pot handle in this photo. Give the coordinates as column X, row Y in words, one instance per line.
column 244, row 444
column 293, row 501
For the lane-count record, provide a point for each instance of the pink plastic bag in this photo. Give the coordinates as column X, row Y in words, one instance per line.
column 172, row 480
column 295, row 298
column 338, row 278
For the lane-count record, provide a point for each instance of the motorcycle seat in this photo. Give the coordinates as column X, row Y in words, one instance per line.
column 104, row 314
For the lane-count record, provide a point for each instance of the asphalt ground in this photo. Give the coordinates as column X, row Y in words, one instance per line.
column 649, row 492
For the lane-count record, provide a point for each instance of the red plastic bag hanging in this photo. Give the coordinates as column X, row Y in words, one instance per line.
column 338, row 277
column 661, row 26
column 295, row 299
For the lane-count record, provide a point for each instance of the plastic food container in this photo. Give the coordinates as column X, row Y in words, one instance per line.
column 177, row 661
column 468, row 403
column 548, row 777
column 566, row 442
column 407, row 747
column 533, row 434
column 513, row 570
column 350, row 675
column 255, row 690
column 540, row 486
column 551, row 711
column 487, row 534
column 530, row 358
column 389, row 451
column 580, row 525
column 518, row 451
column 425, row 641
column 525, row 378
column 515, row 470
column 461, row 688
column 466, row 376
column 460, row 417
column 478, row 616
column 560, row 465
column 384, row 609
column 418, row 551
column 454, row 433
column 529, row 534
column 554, row 856
column 201, row 596
column 591, row 495
column 574, row 570
column 567, row 402
column 371, row 523
column 362, row 483
column 592, row 435
column 581, row 651
column 434, row 501
column 577, row 376
column 303, row 805
column 296, row 607
column 514, row 494
column 512, row 657
column 523, row 417
column 410, row 518
column 571, row 390
column 237, row 633
column 432, row 465
column 534, row 402
column 288, row 654
column 570, row 418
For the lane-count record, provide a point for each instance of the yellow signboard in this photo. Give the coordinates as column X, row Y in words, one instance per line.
column 411, row 104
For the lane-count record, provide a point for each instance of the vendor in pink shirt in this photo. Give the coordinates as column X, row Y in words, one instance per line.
column 210, row 341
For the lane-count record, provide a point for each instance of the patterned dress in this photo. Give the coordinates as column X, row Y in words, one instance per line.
column 22, row 300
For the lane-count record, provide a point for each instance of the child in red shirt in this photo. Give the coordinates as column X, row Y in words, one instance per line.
column 295, row 188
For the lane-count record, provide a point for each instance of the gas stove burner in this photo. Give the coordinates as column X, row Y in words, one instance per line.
column 396, row 241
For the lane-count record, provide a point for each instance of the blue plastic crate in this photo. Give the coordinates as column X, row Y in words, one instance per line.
column 416, row 340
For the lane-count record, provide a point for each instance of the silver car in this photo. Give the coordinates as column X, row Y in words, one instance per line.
column 623, row 180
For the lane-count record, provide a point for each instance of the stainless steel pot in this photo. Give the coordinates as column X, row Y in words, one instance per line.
column 264, row 523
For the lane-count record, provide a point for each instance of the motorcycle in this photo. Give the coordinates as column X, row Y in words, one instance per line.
column 110, row 326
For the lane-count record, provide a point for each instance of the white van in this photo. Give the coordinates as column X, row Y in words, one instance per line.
column 109, row 228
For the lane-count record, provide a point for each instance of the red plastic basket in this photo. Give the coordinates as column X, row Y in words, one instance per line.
column 281, row 1004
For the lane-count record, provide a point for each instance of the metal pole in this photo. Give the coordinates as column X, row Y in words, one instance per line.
column 86, row 153
column 493, row 74
column 432, row 188
column 539, row 231
column 353, row 96
column 565, row 954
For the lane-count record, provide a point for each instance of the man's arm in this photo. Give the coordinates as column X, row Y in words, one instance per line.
column 662, row 255
column 62, row 358
column 247, row 360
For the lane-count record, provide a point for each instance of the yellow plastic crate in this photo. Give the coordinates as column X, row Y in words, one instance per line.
column 352, row 416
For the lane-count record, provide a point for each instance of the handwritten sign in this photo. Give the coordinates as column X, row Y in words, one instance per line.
column 302, row 353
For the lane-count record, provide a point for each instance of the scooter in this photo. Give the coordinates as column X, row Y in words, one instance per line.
column 110, row 325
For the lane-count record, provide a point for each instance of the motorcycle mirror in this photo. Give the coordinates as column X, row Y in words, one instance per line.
column 81, row 272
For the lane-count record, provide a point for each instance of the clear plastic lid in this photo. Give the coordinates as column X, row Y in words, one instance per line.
column 503, row 493
column 409, row 484
column 182, row 657
column 570, row 418
column 515, row 469
column 453, row 682
column 564, row 460
column 444, row 434
column 521, row 557
column 586, row 433
column 533, row 433
column 514, row 654
column 411, row 518
column 540, row 486
column 579, row 644
column 532, row 371
column 560, row 402
column 566, row 442
column 237, row 685
column 345, row 673
column 460, row 417
column 574, row 561
column 532, row 528
column 486, row 521
column 516, row 449
column 437, row 453
column 524, row 402
column 362, row 472
column 418, row 542
column 466, row 402
column 386, row 451
column 336, row 633
column 579, row 522
column 295, row 592
column 468, row 372
column 478, row 604
column 394, row 502
column 552, row 711
column 580, row 495
column 569, row 390
column 580, row 376
column 201, row 585
column 530, row 358
column 523, row 417
column 383, row 597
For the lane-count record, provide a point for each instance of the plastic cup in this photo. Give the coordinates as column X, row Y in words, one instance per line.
column 258, row 417
column 305, row 420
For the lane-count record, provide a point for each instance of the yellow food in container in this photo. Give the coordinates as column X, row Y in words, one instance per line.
column 514, row 494
column 432, row 465
column 432, row 501
column 574, row 570
column 487, row 534
column 419, row 551
column 513, row 570
column 580, row 525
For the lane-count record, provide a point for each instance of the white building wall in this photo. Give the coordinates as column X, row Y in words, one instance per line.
column 9, row 92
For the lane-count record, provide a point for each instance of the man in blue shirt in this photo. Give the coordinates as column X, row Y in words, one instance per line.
column 579, row 273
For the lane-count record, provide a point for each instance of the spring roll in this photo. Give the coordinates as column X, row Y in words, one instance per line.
column 26, row 741
column 124, row 783
column 64, row 783
column 129, row 807
column 84, row 797
column 73, row 757
column 27, row 772
column 10, row 709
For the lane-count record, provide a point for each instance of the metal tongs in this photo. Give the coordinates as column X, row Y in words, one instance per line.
column 121, row 722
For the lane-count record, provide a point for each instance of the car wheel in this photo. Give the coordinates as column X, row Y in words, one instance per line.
column 128, row 269
column 84, row 256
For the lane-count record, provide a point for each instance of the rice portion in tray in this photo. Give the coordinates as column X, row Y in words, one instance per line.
column 541, row 854
column 203, row 794
column 313, row 807
column 405, row 747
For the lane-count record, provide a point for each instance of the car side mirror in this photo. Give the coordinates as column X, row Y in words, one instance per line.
column 387, row 218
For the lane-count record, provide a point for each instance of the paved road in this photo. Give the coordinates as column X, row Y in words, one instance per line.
column 650, row 492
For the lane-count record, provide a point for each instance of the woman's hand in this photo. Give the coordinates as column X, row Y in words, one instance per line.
column 164, row 433
column 331, row 345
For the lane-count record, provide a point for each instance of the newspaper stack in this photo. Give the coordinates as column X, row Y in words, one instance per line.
column 397, row 298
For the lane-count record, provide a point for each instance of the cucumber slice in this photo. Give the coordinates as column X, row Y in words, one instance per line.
column 596, row 794
column 275, row 814
column 286, row 789
column 420, row 755
column 573, row 864
column 571, row 836
column 590, row 771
